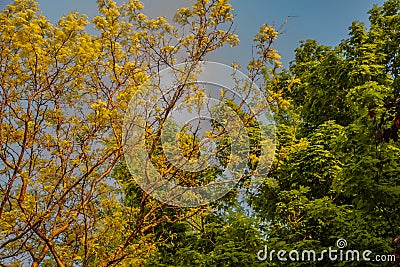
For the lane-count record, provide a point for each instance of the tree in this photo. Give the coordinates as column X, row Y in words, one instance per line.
column 63, row 96
column 215, row 238
column 336, row 171
column 202, row 238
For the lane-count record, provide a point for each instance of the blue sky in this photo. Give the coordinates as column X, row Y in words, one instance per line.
column 326, row 21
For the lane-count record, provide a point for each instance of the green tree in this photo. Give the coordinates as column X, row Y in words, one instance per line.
column 215, row 238
column 336, row 171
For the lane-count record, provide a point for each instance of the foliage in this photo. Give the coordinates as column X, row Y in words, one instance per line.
column 336, row 171
column 63, row 96
column 213, row 239
column 68, row 199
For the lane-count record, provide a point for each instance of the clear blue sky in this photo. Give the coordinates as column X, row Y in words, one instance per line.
column 326, row 21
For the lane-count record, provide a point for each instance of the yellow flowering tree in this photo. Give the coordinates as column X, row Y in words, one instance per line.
column 63, row 93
